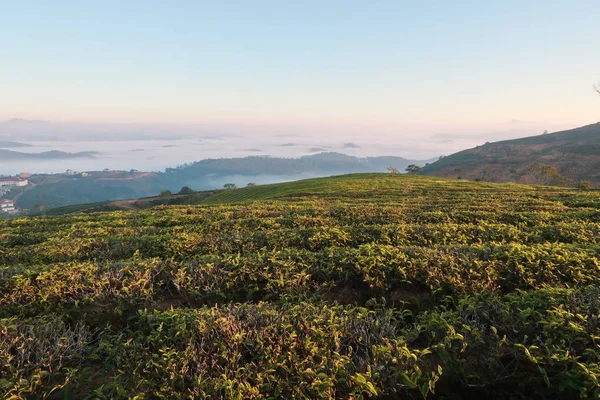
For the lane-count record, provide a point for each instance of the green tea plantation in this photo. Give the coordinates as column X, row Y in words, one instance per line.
column 361, row 286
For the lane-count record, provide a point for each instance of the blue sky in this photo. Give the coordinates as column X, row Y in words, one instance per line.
column 390, row 65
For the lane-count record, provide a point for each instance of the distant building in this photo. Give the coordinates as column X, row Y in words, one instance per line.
column 84, row 174
column 7, row 206
column 24, row 175
column 8, row 182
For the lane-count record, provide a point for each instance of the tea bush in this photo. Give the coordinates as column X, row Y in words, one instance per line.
column 361, row 286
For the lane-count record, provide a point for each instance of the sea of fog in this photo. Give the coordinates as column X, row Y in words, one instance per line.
column 158, row 154
column 156, row 147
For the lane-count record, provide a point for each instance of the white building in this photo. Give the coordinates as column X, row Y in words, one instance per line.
column 8, row 182
column 7, row 206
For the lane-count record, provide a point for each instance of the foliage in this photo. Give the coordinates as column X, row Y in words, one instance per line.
column 359, row 286
column 413, row 169
column 549, row 175
column 584, row 185
column 186, row 190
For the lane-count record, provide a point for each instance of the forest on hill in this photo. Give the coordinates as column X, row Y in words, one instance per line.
column 357, row 286
column 565, row 158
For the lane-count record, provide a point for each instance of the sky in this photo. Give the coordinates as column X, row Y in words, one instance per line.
column 395, row 68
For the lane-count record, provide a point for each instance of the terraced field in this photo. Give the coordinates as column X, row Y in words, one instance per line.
column 350, row 287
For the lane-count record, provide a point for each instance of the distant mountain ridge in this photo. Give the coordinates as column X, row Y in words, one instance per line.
column 322, row 163
column 4, row 144
column 9, row 155
column 562, row 158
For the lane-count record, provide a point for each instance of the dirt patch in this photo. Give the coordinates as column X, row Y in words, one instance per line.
column 167, row 304
column 343, row 295
column 412, row 296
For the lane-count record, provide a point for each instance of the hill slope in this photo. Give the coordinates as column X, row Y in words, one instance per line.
column 363, row 286
column 561, row 158
column 315, row 187
column 202, row 175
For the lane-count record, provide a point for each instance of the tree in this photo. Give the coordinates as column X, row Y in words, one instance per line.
column 393, row 170
column 251, row 184
column 186, row 190
column 229, row 186
column 549, row 175
column 413, row 169
column 165, row 193
column 584, row 185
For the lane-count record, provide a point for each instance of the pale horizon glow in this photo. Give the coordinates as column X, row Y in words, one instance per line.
column 366, row 68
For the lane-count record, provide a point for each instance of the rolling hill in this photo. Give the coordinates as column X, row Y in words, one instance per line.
column 207, row 174
column 360, row 286
column 321, row 187
column 562, row 158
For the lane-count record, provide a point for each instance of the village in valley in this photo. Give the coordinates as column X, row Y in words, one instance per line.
column 15, row 189
column 9, row 185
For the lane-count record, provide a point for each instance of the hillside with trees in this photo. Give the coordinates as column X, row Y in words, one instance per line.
column 566, row 158
column 202, row 175
column 322, row 164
